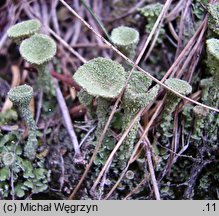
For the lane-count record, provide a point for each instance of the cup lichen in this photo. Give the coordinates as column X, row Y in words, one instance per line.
column 126, row 39
column 213, row 65
column 213, row 21
column 103, row 79
column 200, row 113
column 210, row 89
column 21, row 96
column 172, row 101
column 151, row 13
column 23, row 30
column 87, row 101
column 38, row 50
column 135, row 98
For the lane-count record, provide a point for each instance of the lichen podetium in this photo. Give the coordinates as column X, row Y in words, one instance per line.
column 38, row 50
column 103, row 80
column 172, row 101
column 20, row 97
column 135, row 98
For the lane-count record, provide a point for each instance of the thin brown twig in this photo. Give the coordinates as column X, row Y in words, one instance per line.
column 184, row 52
column 68, row 123
column 194, row 50
column 151, row 168
column 174, row 12
column 82, row 59
column 172, row 31
column 185, row 5
column 131, row 11
column 143, row 181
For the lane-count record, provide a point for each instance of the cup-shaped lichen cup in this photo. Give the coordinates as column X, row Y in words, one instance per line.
column 103, row 79
column 38, row 50
column 21, row 96
column 126, row 39
column 23, row 30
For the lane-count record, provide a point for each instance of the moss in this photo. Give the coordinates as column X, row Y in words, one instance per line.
column 8, row 158
column 28, row 176
column 8, row 116
column 198, row 9
column 151, row 10
column 107, row 146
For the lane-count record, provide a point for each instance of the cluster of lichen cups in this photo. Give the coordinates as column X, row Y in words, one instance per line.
column 17, row 163
column 37, row 49
column 103, row 79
